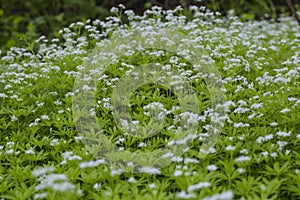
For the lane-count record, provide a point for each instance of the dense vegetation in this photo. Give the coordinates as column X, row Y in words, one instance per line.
column 50, row 99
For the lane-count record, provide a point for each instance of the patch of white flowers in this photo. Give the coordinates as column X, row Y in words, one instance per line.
column 219, row 37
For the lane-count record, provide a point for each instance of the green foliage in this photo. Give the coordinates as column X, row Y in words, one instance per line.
column 20, row 20
column 27, row 20
column 256, row 155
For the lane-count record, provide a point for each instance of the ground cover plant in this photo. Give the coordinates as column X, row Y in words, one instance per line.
column 255, row 156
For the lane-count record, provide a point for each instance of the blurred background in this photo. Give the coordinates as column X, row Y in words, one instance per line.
column 28, row 19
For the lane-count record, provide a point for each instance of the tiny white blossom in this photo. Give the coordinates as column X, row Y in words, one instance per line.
column 198, row 186
column 273, row 124
column 274, row 154
column 238, row 125
column 228, row 195
column 131, row 180
column 45, row 117
column 91, row 163
column 114, row 10
column 43, row 171
column 190, row 160
column 121, row 6
column 286, row 110
column 283, row 134
column 242, row 159
column 265, row 153
column 41, row 195
column 241, row 170
column 97, row 185
column 184, row 195
column 256, row 105
column 230, row 148
column 152, row 185
column 116, row 172
column 14, row 118
column 211, row 167
column 10, row 151
column 29, row 151
column 150, row 170
column 54, row 142
column 178, row 173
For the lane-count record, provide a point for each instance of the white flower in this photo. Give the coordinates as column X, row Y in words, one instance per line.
column 97, row 185
column 121, row 6
column 198, row 186
column 54, row 142
column 10, row 151
column 45, row 117
column 256, row 105
column 228, row 195
column 150, row 170
column 190, row 160
column 281, row 143
column 68, row 94
column 43, row 171
column 62, row 187
column 242, row 159
column 142, row 144
column 114, row 10
column 241, row 170
column 283, row 134
column 178, row 173
column 274, row 154
column 14, row 118
column 69, row 155
column 286, row 110
column 78, row 138
column 207, row 151
column 116, row 172
column 251, row 116
column 10, row 144
column 124, row 123
column 57, row 182
column 41, row 195
column 241, row 110
column 273, row 124
column 29, row 151
column 269, row 137
column 261, row 139
column 91, row 163
column 170, row 154
column 238, row 125
column 184, row 195
column 130, row 164
column 265, row 153
column 211, row 167
column 184, row 140
column 177, row 159
column 230, row 148
column 2, row 95
column 131, row 180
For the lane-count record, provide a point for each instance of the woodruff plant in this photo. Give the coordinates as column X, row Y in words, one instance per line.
column 140, row 114
column 126, row 41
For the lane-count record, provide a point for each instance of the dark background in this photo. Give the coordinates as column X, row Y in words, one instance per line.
column 29, row 19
